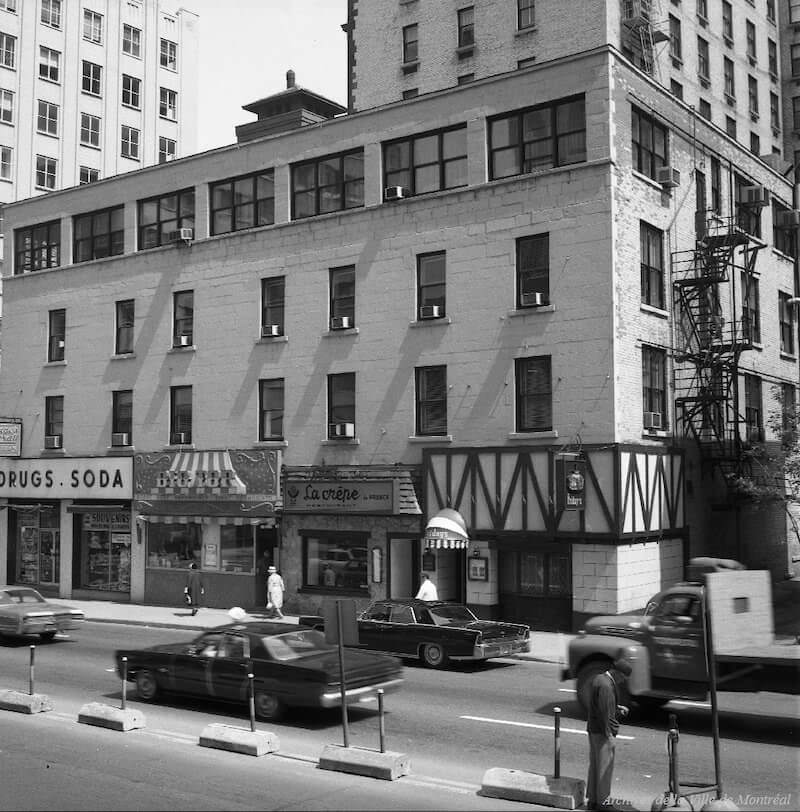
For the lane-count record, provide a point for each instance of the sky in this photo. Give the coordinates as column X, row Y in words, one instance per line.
column 246, row 47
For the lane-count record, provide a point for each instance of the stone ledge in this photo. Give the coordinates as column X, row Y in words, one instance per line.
column 95, row 713
column 532, row 788
column 24, row 703
column 372, row 763
column 239, row 740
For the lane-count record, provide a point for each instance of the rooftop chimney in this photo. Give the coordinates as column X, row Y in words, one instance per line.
column 289, row 79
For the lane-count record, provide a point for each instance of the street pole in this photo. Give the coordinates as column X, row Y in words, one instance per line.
column 30, row 680
column 712, row 683
column 342, row 686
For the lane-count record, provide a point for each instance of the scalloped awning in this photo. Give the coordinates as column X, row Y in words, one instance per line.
column 447, row 530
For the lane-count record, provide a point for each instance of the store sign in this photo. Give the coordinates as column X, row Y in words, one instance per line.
column 341, row 496
column 10, row 437
column 78, row 478
column 571, row 482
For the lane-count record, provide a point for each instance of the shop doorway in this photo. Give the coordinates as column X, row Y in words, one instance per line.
column 37, row 541
column 403, row 567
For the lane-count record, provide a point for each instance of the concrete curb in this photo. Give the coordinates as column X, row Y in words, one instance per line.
column 239, row 740
column 371, row 763
column 532, row 788
column 95, row 713
column 24, row 703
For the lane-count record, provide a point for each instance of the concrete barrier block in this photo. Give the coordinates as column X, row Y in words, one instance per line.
column 532, row 788
column 239, row 740
column 95, row 713
column 24, row 703
column 372, row 763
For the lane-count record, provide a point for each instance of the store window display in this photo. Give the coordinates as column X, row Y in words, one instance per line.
column 173, row 545
column 336, row 562
column 106, row 551
column 237, row 548
column 38, row 547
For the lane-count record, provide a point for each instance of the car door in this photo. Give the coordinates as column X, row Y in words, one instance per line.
column 229, row 669
column 403, row 630
column 678, row 650
column 373, row 627
column 191, row 666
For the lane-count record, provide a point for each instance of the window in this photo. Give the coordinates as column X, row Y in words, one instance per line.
column 538, row 138
column 7, row 106
column 676, row 88
column 270, row 409
column 129, row 146
column 49, row 62
column 431, row 401
column 410, row 43
column 525, row 14
column 786, row 321
column 54, row 419
column 796, row 112
column 342, row 297
column 751, row 41
column 751, row 316
column 702, row 58
column 702, row 9
column 771, row 10
column 131, row 40
column 47, row 118
column 701, row 214
column 122, row 417
column 91, row 77
column 90, row 130
column 716, row 185
column 795, row 52
column 730, row 126
column 9, row 5
column 675, row 44
column 794, row 11
column 431, row 285
column 705, row 109
column 243, row 202
column 46, row 172
column 544, row 574
column 328, row 184
column 533, row 270
column 6, row 154
column 772, row 56
column 174, row 545
column 341, row 405
column 752, row 95
column 428, row 162
column 466, row 27
column 336, row 561
column 654, row 383
column 8, row 49
column 748, row 217
column 183, row 318
column 92, row 26
column 273, row 300
column 160, row 217
column 753, row 413
column 727, row 22
column 88, row 175
column 125, row 311
column 168, row 104
column 410, row 93
column 180, row 415
column 57, row 331
column 652, row 263
column 166, row 149
column 168, row 55
column 99, row 234
column 131, row 91
column 534, row 394
column 727, row 71
column 465, row 78
column 775, row 111
column 755, row 143
column 649, row 143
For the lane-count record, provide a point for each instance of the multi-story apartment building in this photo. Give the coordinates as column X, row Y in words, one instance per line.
column 92, row 88
column 555, row 299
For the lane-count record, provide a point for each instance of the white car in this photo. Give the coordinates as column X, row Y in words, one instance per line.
column 24, row 611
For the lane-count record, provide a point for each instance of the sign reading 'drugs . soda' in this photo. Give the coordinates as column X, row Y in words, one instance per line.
column 78, row 478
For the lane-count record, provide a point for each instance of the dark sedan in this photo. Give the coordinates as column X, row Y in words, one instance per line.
column 437, row 631
column 24, row 611
column 292, row 666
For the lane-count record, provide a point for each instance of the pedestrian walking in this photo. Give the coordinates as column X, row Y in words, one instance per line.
column 427, row 589
column 194, row 588
column 605, row 714
column 275, row 589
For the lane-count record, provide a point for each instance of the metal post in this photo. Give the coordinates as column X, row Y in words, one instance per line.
column 381, row 728
column 712, row 684
column 557, row 732
column 30, row 690
column 672, row 745
column 124, row 680
column 252, row 704
column 342, row 686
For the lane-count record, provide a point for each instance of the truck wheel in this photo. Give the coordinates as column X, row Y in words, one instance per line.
column 586, row 674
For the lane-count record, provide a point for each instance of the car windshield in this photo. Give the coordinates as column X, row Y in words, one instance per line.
column 295, row 645
column 451, row 613
column 21, row 596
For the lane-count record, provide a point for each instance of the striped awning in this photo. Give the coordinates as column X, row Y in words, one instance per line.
column 180, row 511
column 204, row 472
column 447, row 530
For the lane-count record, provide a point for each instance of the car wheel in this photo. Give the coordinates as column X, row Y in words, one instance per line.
column 586, row 675
column 268, row 706
column 47, row 636
column 433, row 655
column 146, row 685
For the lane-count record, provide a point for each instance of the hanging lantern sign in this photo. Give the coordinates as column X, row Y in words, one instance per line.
column 447, row 530
column 570, row 482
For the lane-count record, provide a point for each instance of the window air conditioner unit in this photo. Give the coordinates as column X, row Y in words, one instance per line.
column 269, row 330
column 184, row 235
column 430, row 312
column 340, row 323
column 395, row 192
column 120, row 438
column 787, row 218
column 343, row 429
column 668, row 176
column 52, row 441
column 535, row 299
column 60, row 343
column 755, row 195
column 185, row 341
column 180, row 438
column 652, row 420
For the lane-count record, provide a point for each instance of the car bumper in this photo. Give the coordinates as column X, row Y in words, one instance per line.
column 504, row 648
column 39, row 625
column 333, row 699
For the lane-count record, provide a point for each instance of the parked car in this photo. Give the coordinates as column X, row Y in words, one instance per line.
column 292, row 667
column 437, row 632
column 25, row 611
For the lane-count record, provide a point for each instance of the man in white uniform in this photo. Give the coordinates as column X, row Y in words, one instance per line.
column 427, row 589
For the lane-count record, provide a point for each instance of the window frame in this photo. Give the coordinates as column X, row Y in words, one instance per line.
column 168, row 56
column 703, row 59
column 6, row 163
column 526, row 14
column 46, row 168
column 184, row 199
column 655, row 383
column 8, row 51
column 273, row 303
column 786, row 323
column 47, row 118
column 50, row 248
column 652, row 271
column 132, row 45
column 90, row 78
column 165, row 155
column 651, row 153
column 341, row 401
column 182, row 318
column 263, row 208
column 54, row 416
column 129, row 146
column 727, row 21
column 316, row 188
column 7, row 106
column 88, row 171
column 750, row 40
column 430, row 401
column 56, row 335
column 342, row 294
column 753, row 403
column 92, row 26
column 122, row 413
column 131, row 91
column 728, row 78
column 90, row 135
column 675, row 39
column 100, row 242
column 168, row 103
column 751, row 308
column 433, row 292
column 536, row 400
column 271, row 409
column 410, row 35
column 532, row 277
column 181, row 413
column 49, row 64
column 465, row 22
column 124, row 324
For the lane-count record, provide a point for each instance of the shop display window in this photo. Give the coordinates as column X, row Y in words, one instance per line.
column 237, row 548
column 336, row 562
column 173, row 545
column 106, row 551
column 38, row 547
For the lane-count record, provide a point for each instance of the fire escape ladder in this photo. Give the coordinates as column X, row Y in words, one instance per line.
column 637, row 20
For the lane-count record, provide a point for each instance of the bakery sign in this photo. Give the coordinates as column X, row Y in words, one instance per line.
column 74, row 478
column 340, row 496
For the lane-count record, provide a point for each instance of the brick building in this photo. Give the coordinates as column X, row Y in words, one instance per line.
column 553, row 298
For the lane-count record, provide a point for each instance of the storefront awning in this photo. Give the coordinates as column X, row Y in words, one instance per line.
column 210, row 472
column 107, row 506
column 168, row 511
column 447, row 530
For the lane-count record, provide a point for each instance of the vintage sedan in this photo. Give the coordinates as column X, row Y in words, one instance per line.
column 292, row 666
column 437, row 631
column 23, row 611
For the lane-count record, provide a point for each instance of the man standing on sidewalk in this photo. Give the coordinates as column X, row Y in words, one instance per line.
column 602, row 725
column 275, row 590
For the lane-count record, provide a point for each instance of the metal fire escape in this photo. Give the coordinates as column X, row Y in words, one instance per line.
column 640, row 34
column 711, row 287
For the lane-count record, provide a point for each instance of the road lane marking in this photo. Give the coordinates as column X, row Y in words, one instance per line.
column 533, row 725
column 690, row 703
column 568, row 690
